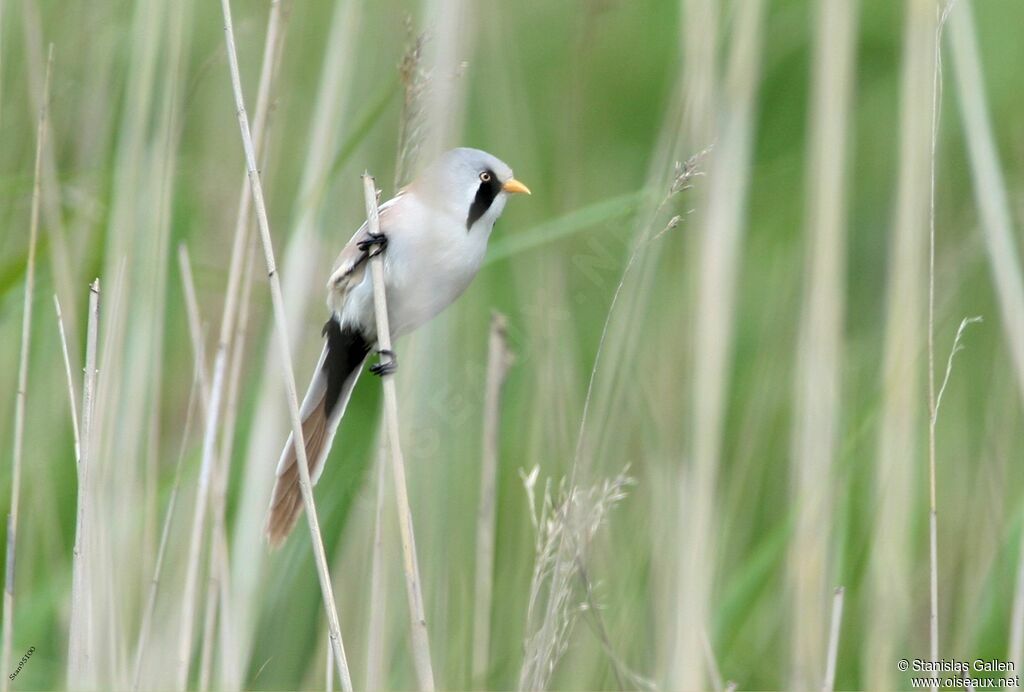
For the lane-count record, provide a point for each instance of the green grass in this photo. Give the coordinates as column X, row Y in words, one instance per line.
column 584, row 100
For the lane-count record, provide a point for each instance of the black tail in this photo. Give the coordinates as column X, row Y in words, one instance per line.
column 346, row 351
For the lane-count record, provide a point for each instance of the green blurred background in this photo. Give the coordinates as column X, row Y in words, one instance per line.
column 582, row 99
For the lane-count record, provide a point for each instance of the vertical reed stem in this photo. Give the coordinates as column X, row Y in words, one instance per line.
column 833, row 640
column 378, row 584
column 71, row 380
column 80, row 628
column 172, row 502
column 284, row 351
column 420, row 640
column 499, row 359
column 19, row 402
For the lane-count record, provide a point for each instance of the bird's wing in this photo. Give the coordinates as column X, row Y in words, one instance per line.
column 351, row 263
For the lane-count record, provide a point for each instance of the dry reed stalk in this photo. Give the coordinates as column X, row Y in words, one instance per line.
column 715, row 305
column 901, row 401
column 138, row 228
column 682, row 178
column 700, row 69
column 19, row 401
column 714, row 670
column 833, row 640
column 169, row 134
column 80, row 627
column 229, row 673
column 989, row 186
column 217, row 559
column 230, row 666
column 195, row 328
column 213, row 410
column 302, row 257
column 997, row 229
column 453, row 30
column 420, row 639
column 415, row 80
column 70, row 379
column 172, row 502
column 62, row 269
column 196, row 334
column 375, row 675
column 933, row 530
column 566, row 526
column 328, row 668
column 819, row 354
column 99, row 635
column 280, row 323
column 214, row 567
column 499, row 360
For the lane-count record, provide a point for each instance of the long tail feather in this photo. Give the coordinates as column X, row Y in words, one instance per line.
column 322, row 409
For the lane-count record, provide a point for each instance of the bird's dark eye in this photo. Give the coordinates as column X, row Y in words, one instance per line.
column 485, row 177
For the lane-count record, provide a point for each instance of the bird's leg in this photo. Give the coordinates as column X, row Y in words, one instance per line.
column 385, row 368
column 377, row 242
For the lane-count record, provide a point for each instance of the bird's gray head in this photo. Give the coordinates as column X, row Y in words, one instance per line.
column 469, row 184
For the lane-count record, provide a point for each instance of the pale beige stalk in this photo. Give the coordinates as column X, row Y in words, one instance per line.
column 70, row 379
column 933, row 409
column 280, row 322
column 990, row 194
column 420, row 639
column 172, row 503
column 195, row 327
column 499, row 360
column 62, row 269
column 833, row 640
column 819, row 353
column 375, row 675
column 229, row 673
column 728, row 179
column 80, row 627
column 303, row 258
column 889, row 589
column 21, row 392
column 212, row 410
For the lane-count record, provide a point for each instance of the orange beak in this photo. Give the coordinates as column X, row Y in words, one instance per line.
column 513, row 186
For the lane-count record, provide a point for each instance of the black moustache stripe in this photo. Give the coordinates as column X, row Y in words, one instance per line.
column 485, row 195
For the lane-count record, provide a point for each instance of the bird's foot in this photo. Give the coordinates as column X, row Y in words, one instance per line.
column 385, row 367
column 373, row 244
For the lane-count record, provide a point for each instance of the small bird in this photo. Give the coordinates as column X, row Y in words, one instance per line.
column 433, row 235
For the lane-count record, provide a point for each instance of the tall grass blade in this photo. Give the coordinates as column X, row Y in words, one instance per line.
column 414, row 590
column 728, row 180
column 898, row 437
column 80, row 630
column 285, row 354
column 817, row 392
column 22, row 390
column 499, row 360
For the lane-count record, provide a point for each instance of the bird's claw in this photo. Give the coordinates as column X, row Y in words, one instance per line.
column 385, row 367
column 373, row 244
